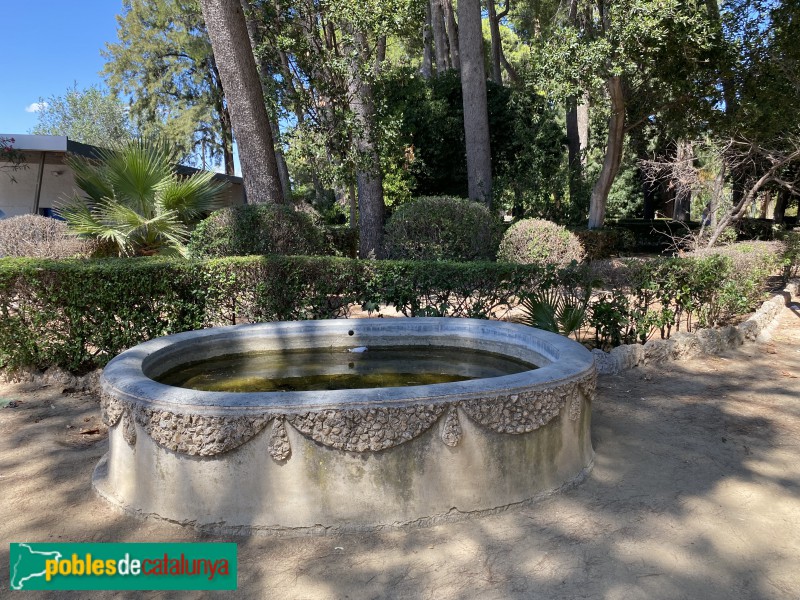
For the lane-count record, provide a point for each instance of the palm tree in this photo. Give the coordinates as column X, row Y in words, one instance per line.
column 135, row 201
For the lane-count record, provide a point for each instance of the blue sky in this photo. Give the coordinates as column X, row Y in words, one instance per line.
column 47, row 46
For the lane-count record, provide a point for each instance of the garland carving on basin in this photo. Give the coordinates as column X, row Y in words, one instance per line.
column 351, row 429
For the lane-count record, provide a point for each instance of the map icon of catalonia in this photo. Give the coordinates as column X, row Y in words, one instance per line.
column 29, row 564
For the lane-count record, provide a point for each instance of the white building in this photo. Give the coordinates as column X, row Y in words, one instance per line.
column 46, row 179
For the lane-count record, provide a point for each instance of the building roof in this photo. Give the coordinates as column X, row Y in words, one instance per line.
column 60, row 143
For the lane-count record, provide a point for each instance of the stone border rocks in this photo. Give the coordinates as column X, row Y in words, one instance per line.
column 684, row 345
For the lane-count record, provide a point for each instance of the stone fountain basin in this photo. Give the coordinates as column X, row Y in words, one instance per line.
column 345, row 460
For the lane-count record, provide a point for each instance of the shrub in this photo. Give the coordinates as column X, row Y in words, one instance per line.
column 659, row 295
column 790, row 257
column 533, row 241
column 41, row 237
column 260, row 229
column 135, row 201
column 345, row 240
column 602, row 243
column 750, row 264
column 442, row 228
column 80, row 314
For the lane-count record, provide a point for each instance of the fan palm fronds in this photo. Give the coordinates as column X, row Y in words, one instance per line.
column 134, row 199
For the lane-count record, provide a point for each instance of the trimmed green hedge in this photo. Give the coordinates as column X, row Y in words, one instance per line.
column 442, row 228
column 78, row 314
column 260, row 229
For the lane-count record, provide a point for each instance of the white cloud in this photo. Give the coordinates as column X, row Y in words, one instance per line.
column 36, row 107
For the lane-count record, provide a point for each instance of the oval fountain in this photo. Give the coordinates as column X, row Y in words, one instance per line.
column 491, row 437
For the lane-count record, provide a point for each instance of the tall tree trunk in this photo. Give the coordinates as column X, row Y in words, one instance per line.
column 227, row 141
column 233, row 54
column 256, row 35
column 439, row 37
column 476, row 115
column 353, row 204
column 583, row 126
column 613, row 157
column 221, row 107
column 574, row 150
column 780, row 206
column 452, row 33
column 283, row 168
column 380, row 54
column 369, row 180
column 427, row 45
column 649, row 185
column 497, row 49
column 683, row 195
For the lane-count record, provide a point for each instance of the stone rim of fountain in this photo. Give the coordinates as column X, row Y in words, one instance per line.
column 365, row 420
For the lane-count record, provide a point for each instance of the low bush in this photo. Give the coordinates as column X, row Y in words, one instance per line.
column 536, row 241
column 663, row 295
column 442, row 228
column 80, row 314
column 603, row 243
column 33, row 236
column 790, row 256
column 260, row 229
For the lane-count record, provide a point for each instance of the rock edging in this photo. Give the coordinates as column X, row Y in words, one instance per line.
column 704, row 341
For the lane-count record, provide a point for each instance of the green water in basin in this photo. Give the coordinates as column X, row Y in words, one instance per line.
column 339, row 369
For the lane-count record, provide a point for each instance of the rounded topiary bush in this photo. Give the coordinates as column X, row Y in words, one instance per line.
column 41, row 237
column 442, row 228
column 260, row 229
column 532, row 241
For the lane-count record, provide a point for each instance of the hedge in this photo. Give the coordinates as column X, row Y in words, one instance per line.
column 78, row 314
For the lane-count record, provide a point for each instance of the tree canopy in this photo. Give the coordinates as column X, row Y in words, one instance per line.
column 90, row 116
column 365, row 101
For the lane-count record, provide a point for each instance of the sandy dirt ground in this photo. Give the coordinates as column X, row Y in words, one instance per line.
column 695, row 494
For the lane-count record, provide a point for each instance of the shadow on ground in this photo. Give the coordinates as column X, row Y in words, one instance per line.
column 695, row 494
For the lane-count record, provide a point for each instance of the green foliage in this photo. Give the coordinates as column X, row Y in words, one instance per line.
column 790, row 257
column 626, row 200
column 450, row 289
column 426, row 153
column 260, row 229
column 163, row 62
column 80, row 314
column 90, row 116
column 442, row 228
column 135, row 201
column 345, row 240
column 559, row 303
column 536, row 241
column 705, row 289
